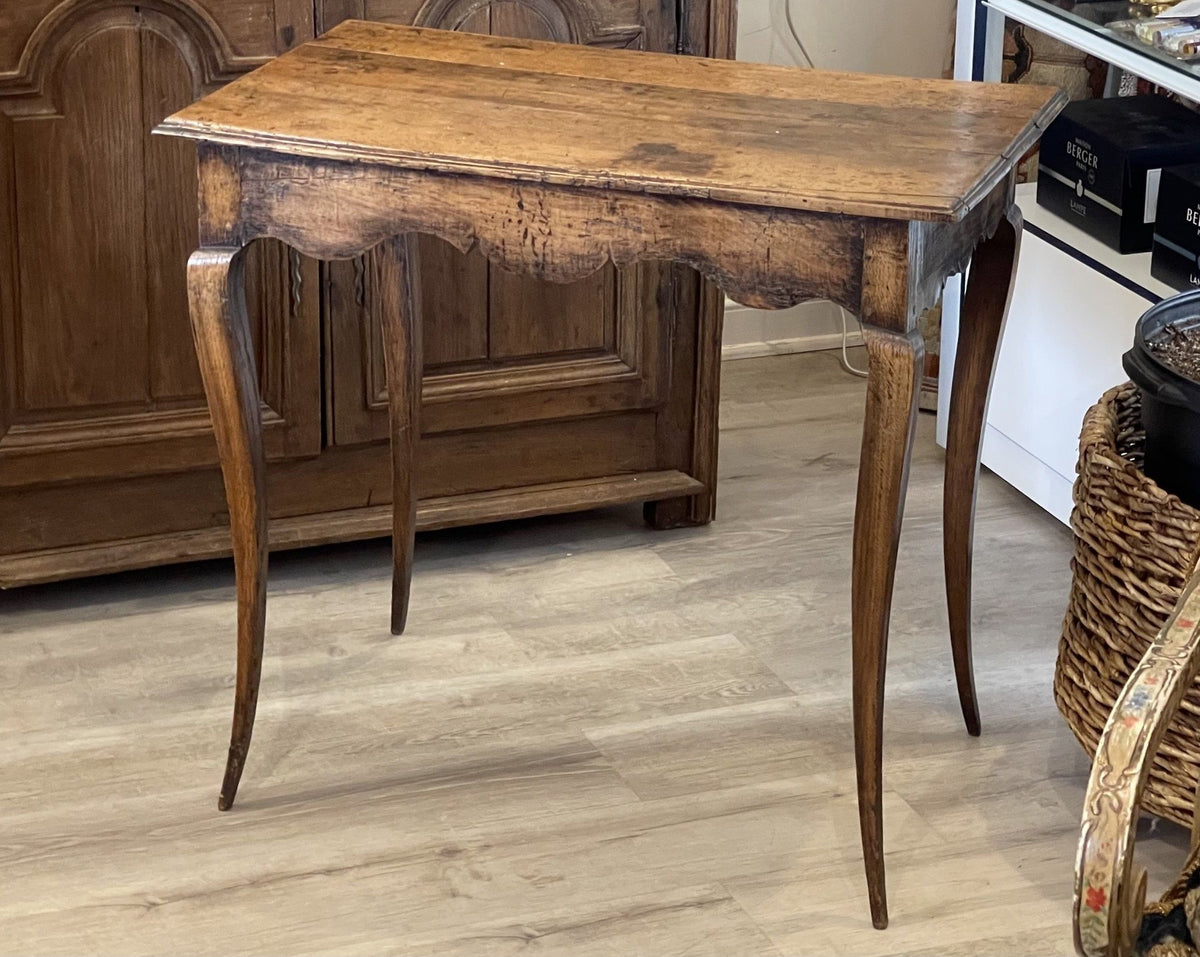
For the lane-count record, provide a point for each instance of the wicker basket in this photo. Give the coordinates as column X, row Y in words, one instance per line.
column 1135, row 547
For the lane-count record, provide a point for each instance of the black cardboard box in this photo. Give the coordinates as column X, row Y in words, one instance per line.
column 1176, row 253
column 1101, row 160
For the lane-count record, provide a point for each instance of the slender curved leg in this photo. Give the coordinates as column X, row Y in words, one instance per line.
column 400, row 316
column 989, row 291
column 895, row 362
column 226, row 353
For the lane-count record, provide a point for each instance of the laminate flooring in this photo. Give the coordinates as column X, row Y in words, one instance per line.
column 594, row 739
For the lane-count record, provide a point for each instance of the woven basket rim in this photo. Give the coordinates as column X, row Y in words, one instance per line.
column 1135, row 546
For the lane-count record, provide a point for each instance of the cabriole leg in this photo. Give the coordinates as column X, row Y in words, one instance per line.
column 989, row 291
column 398, row 289
column 895, row 367
column 225, row 351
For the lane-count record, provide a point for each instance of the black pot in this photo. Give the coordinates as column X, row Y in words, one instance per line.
column 1170, row 402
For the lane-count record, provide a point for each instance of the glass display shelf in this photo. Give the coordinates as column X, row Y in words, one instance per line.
column 1084, row 25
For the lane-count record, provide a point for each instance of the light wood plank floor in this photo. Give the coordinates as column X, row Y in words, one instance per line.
column 593, row 740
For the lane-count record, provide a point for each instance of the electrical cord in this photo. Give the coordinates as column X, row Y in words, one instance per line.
column 844, row 357
column 844, row 360
column 787, row 16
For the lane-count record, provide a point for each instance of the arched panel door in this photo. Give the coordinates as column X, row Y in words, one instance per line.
column 97, row 219
column 503, row 349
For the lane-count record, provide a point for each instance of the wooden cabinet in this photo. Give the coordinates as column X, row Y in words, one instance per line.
column 537, row 398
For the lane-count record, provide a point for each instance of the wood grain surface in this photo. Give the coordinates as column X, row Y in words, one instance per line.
column 625, row 120
column 547, row 167
column 889, row 426
column 99, row 386
column 227, row 362
column 400, row 314
column 592, row 740
column 989, row 292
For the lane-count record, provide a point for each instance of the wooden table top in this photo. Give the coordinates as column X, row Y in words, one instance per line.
column 885, row 147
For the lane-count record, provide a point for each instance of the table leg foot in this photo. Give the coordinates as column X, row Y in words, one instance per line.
column 398, row 294
column 989, row 289
column 233, row 773
column 225, row 351
column 895, row 362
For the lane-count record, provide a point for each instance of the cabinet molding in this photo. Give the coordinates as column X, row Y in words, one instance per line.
column 99, row 374
column 30, row 86
column 375, row 521
column 538, row 398
column 564, row 21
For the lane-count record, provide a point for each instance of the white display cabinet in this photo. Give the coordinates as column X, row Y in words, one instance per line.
column 1076, row 301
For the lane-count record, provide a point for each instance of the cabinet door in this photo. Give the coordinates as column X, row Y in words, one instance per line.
column 502, row 349
column 97, row 219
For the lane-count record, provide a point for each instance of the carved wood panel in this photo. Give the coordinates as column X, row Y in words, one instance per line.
column 52, row 529
column 486, row 330
column 226, row 37
column 97, row 219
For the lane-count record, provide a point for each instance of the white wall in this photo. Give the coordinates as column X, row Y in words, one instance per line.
column 910, row 37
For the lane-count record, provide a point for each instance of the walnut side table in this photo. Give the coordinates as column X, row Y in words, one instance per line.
column 780, row 185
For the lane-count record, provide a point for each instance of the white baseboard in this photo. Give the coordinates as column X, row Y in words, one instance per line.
column 786, row 347
column 808, row 327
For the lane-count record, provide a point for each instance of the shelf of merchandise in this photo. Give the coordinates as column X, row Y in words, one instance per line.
column 1075, row 302
column 1129, row 270
column 1072, row 318
column 1126, row 53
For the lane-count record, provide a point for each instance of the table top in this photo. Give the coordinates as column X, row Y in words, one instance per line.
column 886, row 147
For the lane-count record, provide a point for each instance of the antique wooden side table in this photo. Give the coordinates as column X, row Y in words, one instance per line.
column 780, row 185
